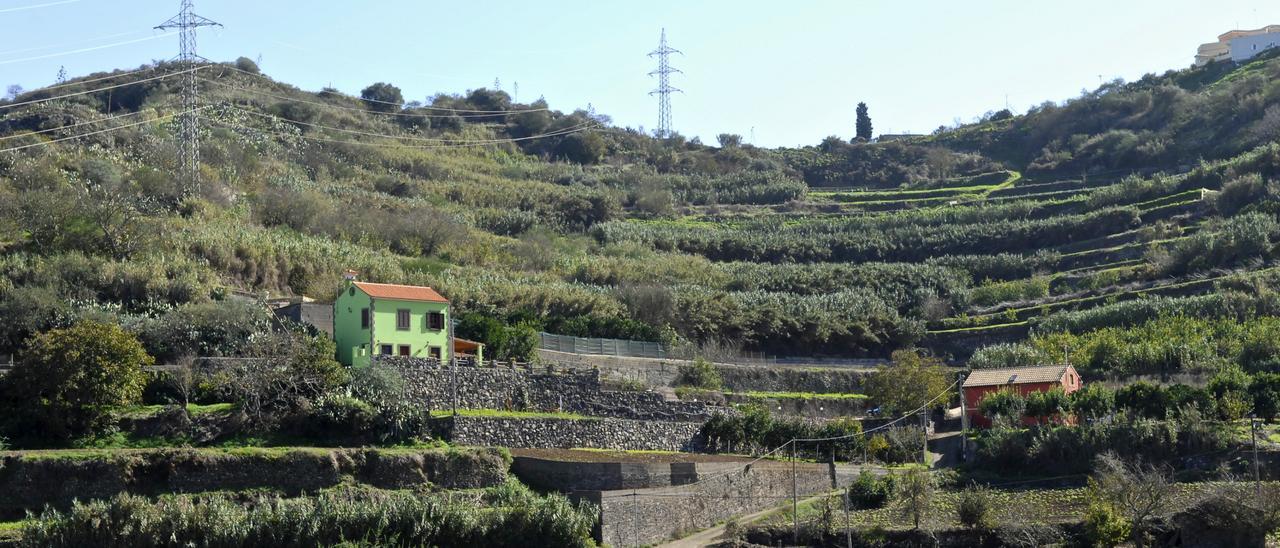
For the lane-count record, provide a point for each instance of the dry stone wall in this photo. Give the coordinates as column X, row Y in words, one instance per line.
column 597, row 433
column 28, row 482
column 573, row 391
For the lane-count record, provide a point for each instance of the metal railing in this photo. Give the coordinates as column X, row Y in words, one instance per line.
column 608, row 347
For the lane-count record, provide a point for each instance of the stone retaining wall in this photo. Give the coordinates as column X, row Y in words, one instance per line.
column 28, row 482
column 596, row 433
column 573, row 391
column 647, row 516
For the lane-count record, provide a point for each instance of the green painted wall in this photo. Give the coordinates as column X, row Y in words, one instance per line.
column 352, row 341
column 357, row 345
column 418, row 336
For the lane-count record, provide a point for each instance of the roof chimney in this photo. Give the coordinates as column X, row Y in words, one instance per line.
column 350, row 275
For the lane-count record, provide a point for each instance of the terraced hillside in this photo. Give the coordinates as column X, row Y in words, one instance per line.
column 1158, row 191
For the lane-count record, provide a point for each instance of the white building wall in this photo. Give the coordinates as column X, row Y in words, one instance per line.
column 1245, row 47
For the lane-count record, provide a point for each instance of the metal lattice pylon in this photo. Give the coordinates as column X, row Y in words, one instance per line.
column 664, row 91
column 188, row 130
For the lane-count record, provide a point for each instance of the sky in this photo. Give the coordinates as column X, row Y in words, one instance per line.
column 777, row 73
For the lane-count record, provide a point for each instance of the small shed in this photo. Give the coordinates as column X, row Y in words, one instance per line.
column 1024, row 380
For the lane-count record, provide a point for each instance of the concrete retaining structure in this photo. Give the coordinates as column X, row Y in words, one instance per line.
column 738, row 377
column 566, row 433
column 640, row 517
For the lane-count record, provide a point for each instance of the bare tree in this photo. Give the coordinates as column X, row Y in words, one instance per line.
column 183, row 378
column 1142, row 492
column 915, row 490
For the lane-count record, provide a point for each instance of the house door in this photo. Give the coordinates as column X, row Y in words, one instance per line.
column 404, row 350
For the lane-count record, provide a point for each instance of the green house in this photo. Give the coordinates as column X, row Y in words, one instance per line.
column 387, row 319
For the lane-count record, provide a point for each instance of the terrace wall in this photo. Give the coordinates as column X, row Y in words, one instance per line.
column 572, row 391
column 566, row 433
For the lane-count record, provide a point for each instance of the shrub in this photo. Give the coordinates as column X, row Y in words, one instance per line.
column 699, row 374
column 1005, row 404
column 1092, row 402
column 1104, row 526
column 68, row 380
column 870, row 491
column 975, row 510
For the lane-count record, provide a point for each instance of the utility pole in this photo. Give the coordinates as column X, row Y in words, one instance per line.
column 664, row 91
column 964, row 422
column 515, row 92
column 924, row 429
column 1257, row 472
column 795, row 499
column 189, row 131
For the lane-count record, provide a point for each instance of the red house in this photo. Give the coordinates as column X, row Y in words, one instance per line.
column 1024, row 380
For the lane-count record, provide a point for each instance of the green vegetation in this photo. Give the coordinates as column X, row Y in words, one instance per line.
column 508, row 515
column 501, row 414
column 802, row 395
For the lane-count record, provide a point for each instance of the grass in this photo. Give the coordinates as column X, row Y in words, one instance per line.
column 501, row 414
column 194, row 409
column 800, row 395
column 11, row 530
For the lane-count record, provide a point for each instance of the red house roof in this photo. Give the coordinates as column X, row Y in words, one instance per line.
column 401, row 292
column 1016, row 375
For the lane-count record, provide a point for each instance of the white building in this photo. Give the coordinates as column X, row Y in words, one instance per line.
column 1238, row 45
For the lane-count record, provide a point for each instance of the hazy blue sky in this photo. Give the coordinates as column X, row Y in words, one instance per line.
column 792, row 70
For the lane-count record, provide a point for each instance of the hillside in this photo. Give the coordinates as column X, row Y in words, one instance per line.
column 1122, row 204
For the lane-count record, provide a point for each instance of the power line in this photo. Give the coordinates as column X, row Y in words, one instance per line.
column 442, row 109
column 665, row 89
column 82, row 50
column 87, row 123
column 92, row 80
column 373, row 134
column 92, row 133
column 77, row 42
column 568, row 131
column 187, row 22
column 491, row 113
column 95, row 90
column 37, row 6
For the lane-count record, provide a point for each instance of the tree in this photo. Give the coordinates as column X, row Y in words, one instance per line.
column 68, row 380
column 248, row 65
column 1004, row 404
column 729, row 140
column 12, row 92
column 863, row 123
column 1230, row 390
column 1093, row 402
column 1143, row 398
column 582, row 148
column 1045, row 405
column 915, row 491
column 910, row 381
column 382, row 97
column 1139, row 492
column 1265, row 392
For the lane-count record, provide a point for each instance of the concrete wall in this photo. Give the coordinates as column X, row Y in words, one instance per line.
column 597, row 433
column 536, row 390
column 1245, row 47
column 646, row 516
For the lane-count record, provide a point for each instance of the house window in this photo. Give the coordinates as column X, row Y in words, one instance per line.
column 434, row 352
column 404, row 350
column 435, row 321
column 385, row 350
column 402, row 319
column 364, row 318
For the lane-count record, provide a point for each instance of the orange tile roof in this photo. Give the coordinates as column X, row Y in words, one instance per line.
column 1016, row 375
column 401, row 292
